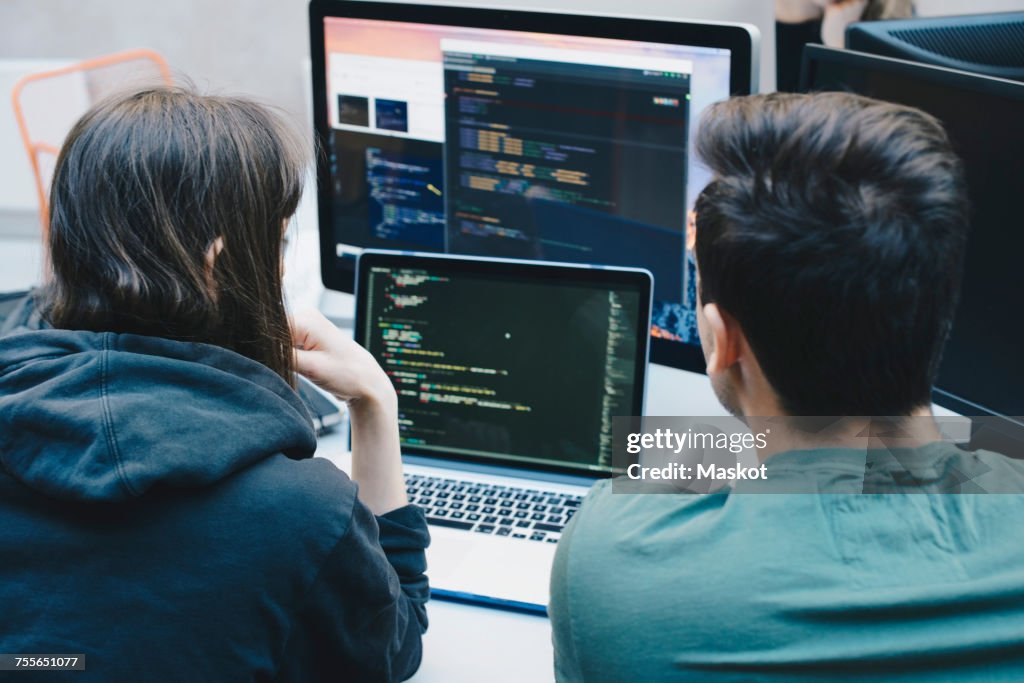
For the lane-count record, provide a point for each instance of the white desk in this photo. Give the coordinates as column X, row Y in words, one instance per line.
column 469, row 643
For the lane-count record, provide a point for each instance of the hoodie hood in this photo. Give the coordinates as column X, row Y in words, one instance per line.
column 94, row 416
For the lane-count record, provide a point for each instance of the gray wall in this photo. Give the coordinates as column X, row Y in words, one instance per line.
column 945, row 7
column 254, row 47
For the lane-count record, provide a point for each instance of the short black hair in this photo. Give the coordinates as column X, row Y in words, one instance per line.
column 833, row 232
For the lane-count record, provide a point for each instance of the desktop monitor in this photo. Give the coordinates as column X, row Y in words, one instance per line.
column 519, row 134
column 988, row 44
column 759, row 13
column 982, row 370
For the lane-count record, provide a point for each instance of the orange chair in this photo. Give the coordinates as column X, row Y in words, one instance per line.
column 47, row 104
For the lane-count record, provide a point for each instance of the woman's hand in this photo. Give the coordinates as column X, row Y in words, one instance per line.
column 838, row 15
column 335, row 362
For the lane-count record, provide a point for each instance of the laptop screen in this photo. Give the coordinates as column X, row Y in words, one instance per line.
column 508, row 362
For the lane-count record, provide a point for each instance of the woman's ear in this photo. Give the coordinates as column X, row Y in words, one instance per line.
column 212, row 253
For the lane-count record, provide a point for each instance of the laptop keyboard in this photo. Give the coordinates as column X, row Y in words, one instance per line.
column 484, row 508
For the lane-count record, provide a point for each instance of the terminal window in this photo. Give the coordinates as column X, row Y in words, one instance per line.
column 566, row 156
column 484, row 389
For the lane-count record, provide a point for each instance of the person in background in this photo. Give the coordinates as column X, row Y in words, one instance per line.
column 162, row 511
column 802, row 22
column 829, row 250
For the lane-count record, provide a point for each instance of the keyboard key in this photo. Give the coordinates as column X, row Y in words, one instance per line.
column 474, row 499
column 506, row 520
column 472, row 508
column 440, row 513
column 503, row 512
column 521, row 514
column 555, row 519
column 453, row 523
column 552, row 540
column 458, row 514
column 503, row 531
column 456, row 506
column 518, row 535
column 490, row 520
column 473, row 516
column 547, row 527
column 484, row 528
column 540, row 508
column 489, row 510
column 524, row 524
column 572, row 503
column 537, row 537
column 537, row 516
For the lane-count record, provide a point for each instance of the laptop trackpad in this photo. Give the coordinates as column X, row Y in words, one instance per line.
column 494, row 567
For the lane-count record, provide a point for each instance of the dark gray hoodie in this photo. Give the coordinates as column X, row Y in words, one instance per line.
column 160, row 511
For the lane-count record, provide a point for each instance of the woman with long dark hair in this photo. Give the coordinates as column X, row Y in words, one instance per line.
column 162, row 513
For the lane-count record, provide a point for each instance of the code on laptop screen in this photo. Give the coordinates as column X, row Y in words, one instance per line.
column 521, row 370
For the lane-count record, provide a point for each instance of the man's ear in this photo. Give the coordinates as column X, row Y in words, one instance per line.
column 726, row 336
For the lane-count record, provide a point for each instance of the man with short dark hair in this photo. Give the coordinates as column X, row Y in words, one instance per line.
column 829, row 246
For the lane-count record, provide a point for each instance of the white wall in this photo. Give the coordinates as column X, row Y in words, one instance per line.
column 934, row 8
column 239, row 46
column 256, row 47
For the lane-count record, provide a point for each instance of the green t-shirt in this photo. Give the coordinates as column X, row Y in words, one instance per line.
column 833, row 583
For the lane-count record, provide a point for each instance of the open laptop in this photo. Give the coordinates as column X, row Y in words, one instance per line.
column 508, row 375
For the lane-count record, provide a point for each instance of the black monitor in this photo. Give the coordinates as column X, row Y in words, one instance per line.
column 988, row 44
column 515, row 134
column 982, row 372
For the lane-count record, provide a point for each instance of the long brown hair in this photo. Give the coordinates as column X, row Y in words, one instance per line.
column 145, row 184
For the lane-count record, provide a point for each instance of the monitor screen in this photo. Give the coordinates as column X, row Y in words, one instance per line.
column 550, row 144
column 983, row 367
column 483, row 390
